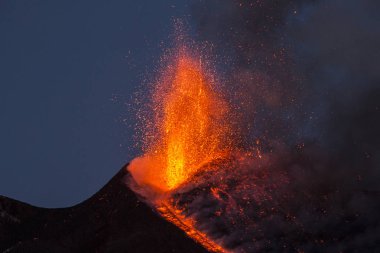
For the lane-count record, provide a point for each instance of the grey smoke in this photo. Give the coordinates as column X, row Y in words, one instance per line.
column 308, row 74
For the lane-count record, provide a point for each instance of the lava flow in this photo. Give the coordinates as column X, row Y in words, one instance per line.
column 187, row 129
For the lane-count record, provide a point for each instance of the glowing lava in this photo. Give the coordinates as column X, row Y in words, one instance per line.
column 188, row 127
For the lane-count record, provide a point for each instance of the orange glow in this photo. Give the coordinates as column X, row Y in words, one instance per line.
column 185, row 128
column 187, row 224
column 189, row 126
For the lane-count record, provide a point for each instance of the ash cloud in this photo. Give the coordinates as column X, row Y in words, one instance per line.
column 283, row 202
column 306, row 75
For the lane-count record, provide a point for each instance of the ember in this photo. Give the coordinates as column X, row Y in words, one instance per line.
column 189, row 126
column 189, row 129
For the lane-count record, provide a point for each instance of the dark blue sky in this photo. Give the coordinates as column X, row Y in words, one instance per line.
column 67, row 73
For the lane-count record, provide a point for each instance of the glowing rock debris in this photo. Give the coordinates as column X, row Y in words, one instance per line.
column 188, row 127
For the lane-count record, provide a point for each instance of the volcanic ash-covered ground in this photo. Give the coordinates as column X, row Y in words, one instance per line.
column 275, row 203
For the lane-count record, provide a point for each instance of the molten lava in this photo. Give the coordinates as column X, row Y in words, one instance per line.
column 188, row 127
column 185, row 129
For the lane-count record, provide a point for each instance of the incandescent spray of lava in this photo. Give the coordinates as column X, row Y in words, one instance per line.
column 188, row 126
column 186, row 130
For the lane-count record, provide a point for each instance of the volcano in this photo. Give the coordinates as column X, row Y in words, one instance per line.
column 112, row 220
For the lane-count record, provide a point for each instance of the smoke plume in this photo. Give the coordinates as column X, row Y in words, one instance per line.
column 306, row 80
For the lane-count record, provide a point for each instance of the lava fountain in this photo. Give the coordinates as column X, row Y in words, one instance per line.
column 185, row 129
column 188, row 126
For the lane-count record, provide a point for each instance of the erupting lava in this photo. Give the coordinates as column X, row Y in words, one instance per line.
column 185, row 130
column 188, row 127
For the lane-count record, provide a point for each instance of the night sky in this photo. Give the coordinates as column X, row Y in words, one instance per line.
column 68, row 70
column 305, row 76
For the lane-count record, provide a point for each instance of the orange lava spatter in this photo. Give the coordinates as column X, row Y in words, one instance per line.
column 188, row 128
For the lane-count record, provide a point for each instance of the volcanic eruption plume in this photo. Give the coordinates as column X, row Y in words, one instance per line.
column 188, row 128
column 289, row 160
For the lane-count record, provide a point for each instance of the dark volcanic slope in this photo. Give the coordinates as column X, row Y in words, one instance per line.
column 113, row 220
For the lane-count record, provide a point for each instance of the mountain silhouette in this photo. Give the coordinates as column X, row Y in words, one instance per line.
column 112, row 220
